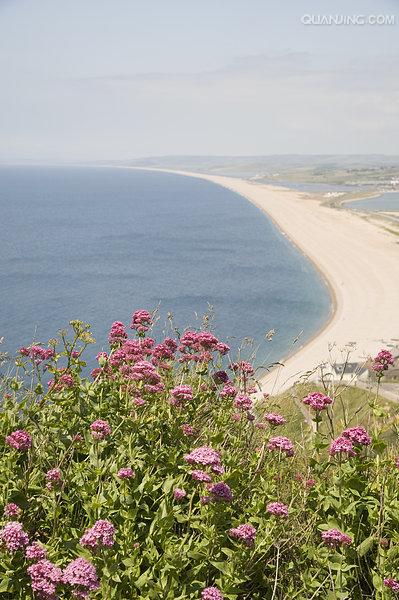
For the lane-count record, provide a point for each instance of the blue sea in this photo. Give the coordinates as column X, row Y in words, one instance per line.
column 384, row 202
column 97, row 243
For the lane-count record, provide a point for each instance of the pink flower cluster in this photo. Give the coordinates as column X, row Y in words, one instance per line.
column 64, row 380
column 228, row 391
column 205, row 455
column 181, row 394
column 243, row 367
column 139, row 401
column 357, row 435
column 164, row 352
column 220, row 492
column 243, row 402
column 126, row 473
column 12, row 510
column 179, row 494
column 282, row 444
column 100, row 429
column 199, row 346
column 201, row 476
column 45, row 578
column 317, row 401
column 141, row 321
column 82, row 576
column 37, row 353
column 187, row 429
column 393, row 584
column 144, row 371
column 245, row 533
column 341, row 445
column 36, row 552
column 275, row 419
column 278, row 509
column 13, row 536
column 101, row 535
column 117, row 334
column 53, row 478
column 335, row 538
column 211, row 593
column 382, row 361
column 20, row 440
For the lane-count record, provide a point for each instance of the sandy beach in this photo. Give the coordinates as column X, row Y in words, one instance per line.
column 358, row 260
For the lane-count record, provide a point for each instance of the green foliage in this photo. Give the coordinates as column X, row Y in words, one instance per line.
column 170, row 549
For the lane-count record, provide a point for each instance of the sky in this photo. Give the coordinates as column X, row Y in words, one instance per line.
column 118, row 79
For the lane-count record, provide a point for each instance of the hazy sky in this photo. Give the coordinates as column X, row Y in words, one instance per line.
column 109, row 79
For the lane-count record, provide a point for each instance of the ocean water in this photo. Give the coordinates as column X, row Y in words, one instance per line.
column 385, row 202
column 97, row 243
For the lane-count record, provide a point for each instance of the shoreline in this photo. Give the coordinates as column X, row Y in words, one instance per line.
column 357, row 260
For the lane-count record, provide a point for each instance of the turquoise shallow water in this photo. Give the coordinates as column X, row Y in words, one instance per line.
column 96, row 244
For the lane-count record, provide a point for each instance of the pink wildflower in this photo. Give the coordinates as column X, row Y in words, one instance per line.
column 13, row 536
column 217, row 468
column 278, row 509
column 245, row 533
column 334, row 538
column 126, row 473
column 179, row 494
column 118, row 334
column 222, row 348
column 187, row 429
column 82, row 576
column 211, row 593
column 201, row 476
column 63, row 380
column 37, row 353
column 228, row 391
column 138, row 401
column 100, row 429
column 164, row 351
column 141, row 321
column 12, row 510
column 393, row 584
column 181, row 394
column 36, row 552
column 275, row 419
column 102, row 358
column 243, row 402
column 243, row 367
column 45, row 577
column 317, row 401
column 220, row 492
column 357, row 435
column 20, row 440
column 341, row 445
column 282, row 444
column 101, row 535
column 142, row 371
column 382, row 361
column 53, row 478
column 205, row 455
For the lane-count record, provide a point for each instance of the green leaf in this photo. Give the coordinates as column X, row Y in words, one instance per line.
column 365, row 546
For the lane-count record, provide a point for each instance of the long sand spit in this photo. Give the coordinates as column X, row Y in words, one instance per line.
column 360, row 263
